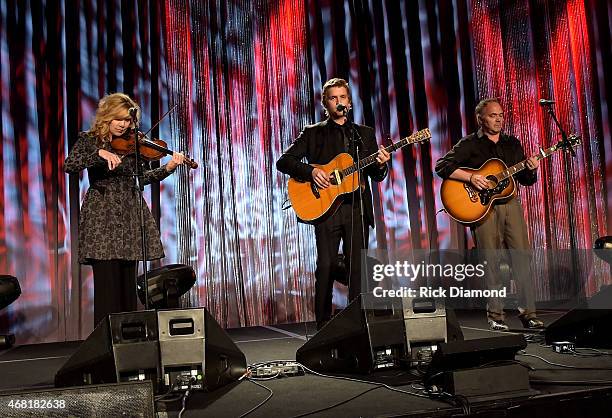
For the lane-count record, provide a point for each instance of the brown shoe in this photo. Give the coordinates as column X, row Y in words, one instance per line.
column 531, row 323
column 497, row 325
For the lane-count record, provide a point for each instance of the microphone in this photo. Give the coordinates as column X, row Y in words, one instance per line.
column 133, row 111
column 545, row 102
column 341, row 108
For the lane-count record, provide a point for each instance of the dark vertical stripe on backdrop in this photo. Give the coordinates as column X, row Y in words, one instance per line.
column 247, row 77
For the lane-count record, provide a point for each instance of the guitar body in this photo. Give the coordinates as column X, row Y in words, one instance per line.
column 464, row 203
column 313, row 204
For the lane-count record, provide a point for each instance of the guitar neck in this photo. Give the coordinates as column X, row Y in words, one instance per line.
column 367, row 161
column 510, row 171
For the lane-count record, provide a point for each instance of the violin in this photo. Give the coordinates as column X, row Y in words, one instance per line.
column 150, row 149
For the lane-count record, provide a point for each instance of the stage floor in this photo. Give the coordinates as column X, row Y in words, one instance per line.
column 34, row 366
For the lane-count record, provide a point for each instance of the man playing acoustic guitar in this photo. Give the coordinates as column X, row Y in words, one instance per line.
column 504, row 226
column 319, row 144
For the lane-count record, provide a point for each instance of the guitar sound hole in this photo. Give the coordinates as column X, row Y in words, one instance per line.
column 492, row 182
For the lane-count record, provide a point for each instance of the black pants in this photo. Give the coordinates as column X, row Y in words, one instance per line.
column 328, row 235
column 114, row 287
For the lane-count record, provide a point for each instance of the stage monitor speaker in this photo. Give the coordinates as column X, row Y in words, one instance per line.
column 196, row 352
column 377, row 333
column 123, row 347
column 587, row 325
column 113, row 400
column 425, row 322
column 366, row 336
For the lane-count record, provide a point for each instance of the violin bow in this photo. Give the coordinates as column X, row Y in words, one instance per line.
column 160, row 119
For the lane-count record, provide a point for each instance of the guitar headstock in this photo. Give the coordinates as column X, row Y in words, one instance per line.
column 574, row 140
column 420, row 136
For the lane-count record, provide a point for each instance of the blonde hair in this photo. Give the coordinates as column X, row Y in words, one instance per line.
column 110, row 107
column 334, row 82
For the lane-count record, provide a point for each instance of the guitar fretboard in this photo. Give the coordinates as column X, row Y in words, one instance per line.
column 419, row 136
column 510, row 171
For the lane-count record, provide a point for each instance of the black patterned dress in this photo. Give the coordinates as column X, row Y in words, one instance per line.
column 109, row 222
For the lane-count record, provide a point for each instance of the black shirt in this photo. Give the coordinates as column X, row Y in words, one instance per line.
column 475, row 149
column 323, row 141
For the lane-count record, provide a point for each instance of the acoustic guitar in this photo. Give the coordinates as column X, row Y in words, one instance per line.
column 313, row 204
column 466, row 204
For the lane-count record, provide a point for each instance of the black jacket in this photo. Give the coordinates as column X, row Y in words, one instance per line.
column 319, row 144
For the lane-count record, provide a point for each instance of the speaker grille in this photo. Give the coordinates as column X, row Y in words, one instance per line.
column 114, row 400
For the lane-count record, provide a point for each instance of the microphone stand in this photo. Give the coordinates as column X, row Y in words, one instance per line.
column 138, row 184
column 356, row 140
column 568, row 189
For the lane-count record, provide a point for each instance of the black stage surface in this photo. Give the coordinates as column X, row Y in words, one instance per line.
column 33, row 367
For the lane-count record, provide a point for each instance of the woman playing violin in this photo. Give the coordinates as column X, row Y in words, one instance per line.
column 109, row 223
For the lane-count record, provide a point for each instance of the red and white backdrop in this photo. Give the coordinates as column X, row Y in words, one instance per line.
column 245, row 76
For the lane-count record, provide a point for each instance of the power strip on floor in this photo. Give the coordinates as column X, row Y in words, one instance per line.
column 279, row 369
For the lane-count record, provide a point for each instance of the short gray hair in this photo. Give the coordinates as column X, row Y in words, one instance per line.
column 483, row 103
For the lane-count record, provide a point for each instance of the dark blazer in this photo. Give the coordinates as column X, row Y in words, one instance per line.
column 319, row 145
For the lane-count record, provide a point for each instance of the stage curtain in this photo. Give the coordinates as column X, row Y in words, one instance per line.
column 243, row 77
